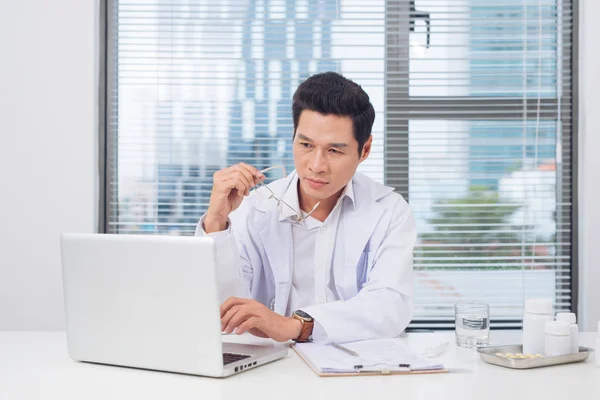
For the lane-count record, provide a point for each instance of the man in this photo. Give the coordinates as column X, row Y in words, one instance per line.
column 342, row 273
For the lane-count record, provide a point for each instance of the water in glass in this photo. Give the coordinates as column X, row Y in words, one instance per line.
column 472, row 324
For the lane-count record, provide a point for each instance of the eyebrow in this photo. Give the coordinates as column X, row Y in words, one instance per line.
column 338, row 145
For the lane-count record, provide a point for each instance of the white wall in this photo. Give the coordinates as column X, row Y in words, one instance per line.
column 48, row 153
column 48, row 146
column 589, row 164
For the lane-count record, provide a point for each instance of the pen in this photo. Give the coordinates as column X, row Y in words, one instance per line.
column 399, row 366
column 345, row 350
column 384, row 369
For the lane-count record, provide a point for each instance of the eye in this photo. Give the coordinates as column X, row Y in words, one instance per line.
column 335, row 151
column 305, row 145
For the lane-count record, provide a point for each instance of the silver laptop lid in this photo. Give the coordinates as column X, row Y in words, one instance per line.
column 142, row 301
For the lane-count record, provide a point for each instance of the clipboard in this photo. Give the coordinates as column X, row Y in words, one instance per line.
column 369, row 372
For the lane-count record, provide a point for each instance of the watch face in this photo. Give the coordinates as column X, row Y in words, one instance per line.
column 303, row 315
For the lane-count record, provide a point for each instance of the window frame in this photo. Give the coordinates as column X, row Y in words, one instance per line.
column 397, row 102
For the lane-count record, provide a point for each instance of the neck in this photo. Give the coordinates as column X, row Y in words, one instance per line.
column 325, row 207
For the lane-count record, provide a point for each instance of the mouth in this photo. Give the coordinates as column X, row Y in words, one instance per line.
column 316, row 183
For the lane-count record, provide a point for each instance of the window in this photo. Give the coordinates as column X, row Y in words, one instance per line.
column 473, row 126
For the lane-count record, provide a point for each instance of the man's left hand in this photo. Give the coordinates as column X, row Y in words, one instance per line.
column 247, row 315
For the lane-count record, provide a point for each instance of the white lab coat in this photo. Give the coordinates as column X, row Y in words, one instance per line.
column 372, row 262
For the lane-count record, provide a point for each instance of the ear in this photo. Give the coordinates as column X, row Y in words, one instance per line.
column 366, row 149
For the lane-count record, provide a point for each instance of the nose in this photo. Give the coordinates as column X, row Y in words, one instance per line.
column 318, row 163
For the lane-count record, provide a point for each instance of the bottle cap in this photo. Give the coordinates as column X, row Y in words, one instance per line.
column 566, row 317
column 560, row 328
column 538, row 306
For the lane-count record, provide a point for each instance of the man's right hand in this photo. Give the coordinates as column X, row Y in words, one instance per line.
column 230, row 185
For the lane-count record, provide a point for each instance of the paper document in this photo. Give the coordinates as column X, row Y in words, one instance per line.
column 373, row 355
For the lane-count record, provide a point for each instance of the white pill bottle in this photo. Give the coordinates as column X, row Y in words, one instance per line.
column 537, row 312
column 558, row 339
column 571, row 319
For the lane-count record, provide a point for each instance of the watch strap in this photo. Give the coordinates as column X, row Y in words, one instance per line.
column 305, row 331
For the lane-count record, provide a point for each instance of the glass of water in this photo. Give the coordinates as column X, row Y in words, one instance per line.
column 472, row 324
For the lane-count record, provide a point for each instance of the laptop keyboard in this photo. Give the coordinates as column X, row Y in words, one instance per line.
column 229, row 358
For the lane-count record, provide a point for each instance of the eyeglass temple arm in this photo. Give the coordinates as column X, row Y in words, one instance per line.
column 273, row 167
column 313, row 209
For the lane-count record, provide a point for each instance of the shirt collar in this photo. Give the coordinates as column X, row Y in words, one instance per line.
column 349, row 193
column 291, row 197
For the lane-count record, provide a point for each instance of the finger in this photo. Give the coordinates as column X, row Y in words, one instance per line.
column 242, row 182
column 247, row 325
column 255, row 172
column 234, row 180
column 244, row 312
column 241, row 187
column 226, row 325
column 247, row 175
column 230, row 302
column 225, row 185
column 235, row 175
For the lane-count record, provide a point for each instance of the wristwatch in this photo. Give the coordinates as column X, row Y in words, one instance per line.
column 307, row 325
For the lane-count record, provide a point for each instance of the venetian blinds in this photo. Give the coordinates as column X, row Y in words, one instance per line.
column 473, row 101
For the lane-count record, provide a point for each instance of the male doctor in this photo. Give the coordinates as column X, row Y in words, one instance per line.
column 340, row 273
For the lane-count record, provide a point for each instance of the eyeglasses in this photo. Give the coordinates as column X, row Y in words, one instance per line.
column 265, row 192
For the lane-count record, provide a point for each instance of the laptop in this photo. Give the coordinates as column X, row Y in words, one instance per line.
column 150, row 302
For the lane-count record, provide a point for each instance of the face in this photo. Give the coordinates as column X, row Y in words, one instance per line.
column 326, row 154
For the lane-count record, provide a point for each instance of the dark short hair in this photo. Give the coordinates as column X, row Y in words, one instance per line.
column 331, row 93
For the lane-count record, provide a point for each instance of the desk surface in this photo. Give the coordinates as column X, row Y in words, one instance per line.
column 35, row 365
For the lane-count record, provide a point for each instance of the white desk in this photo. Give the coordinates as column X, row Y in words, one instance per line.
column 36, row 366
